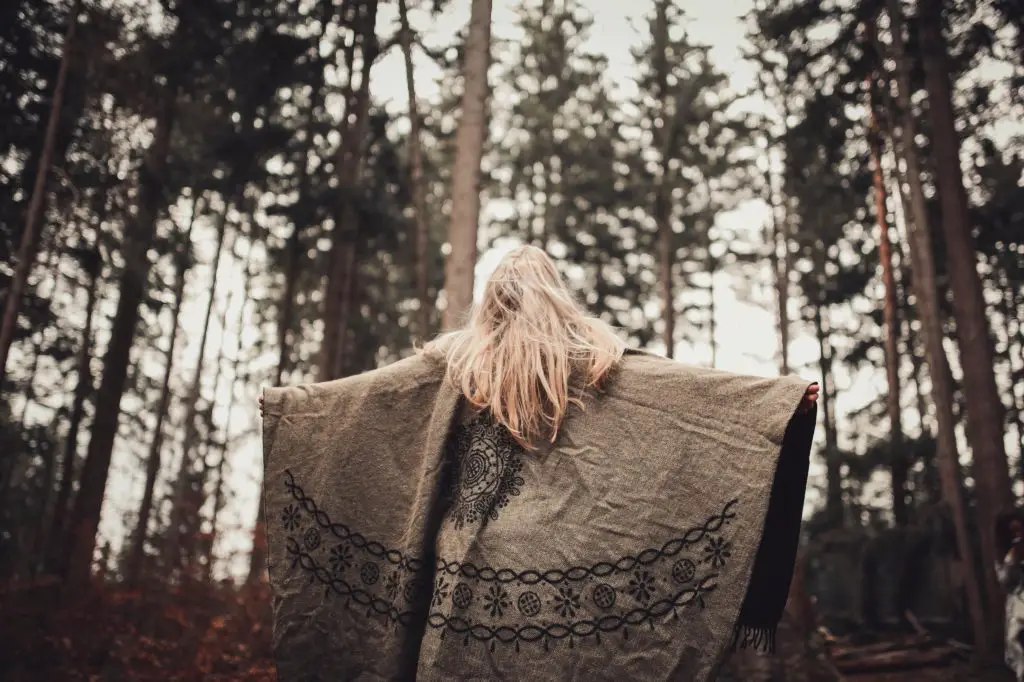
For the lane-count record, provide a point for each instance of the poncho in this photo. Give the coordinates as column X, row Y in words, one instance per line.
column 657, row 533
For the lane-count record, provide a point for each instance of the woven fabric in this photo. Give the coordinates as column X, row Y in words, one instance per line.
column 411, row 541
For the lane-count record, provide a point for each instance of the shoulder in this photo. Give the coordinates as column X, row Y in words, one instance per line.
column 419, row 370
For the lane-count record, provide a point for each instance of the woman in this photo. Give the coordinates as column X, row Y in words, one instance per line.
column 1010, row 542
column 525, row 498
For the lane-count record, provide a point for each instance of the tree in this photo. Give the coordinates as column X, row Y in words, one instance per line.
column 469, row 144
column 928, row 310
column 419, row 204
column 34, row 214
column 985, row 410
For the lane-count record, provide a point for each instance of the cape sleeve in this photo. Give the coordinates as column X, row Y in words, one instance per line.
column 768, row 589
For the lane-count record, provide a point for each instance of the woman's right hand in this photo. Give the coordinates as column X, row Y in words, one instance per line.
column 261, row 405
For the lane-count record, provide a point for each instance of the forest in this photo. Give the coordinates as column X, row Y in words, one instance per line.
column 199, row 198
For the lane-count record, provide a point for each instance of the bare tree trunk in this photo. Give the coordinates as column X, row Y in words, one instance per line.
column 469, row 148
column 923, row 268
column 183, row 508
column 58, row 540
column 134, row 280
column 662, row 206
column 349, row 164
column 222, row 446
column 834, row 505
column 419, row 196
column 985, row 410
column 133, row 569
column 34, row 217
column 294, row 256
column 897, row 461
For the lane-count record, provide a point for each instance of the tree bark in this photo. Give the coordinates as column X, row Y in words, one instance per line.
column 834, row 505
column 222, row 446
column 348, row 166
column 985, row 426
column 897, row 461
column 179, row 541
column 923, row 268
column 419, row 198
column 58, row 540
column 137, row 553
column 134, row 280
column 469, row 147
column 34, row 216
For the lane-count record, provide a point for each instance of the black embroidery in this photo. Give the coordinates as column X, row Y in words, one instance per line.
column 604, row 596
column 683, row 571
column 567, row 602
column 291, row 517
column 496, row 601
column 529, row 604
column 641, row 586
column 717, row 551
column 506, row 606
column 341, row 559
column 462, row 596
column 370, row 573
column 488, row 463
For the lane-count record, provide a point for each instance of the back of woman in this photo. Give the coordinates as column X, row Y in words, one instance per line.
column 526, row 499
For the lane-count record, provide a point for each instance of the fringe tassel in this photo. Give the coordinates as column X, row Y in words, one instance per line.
column 759, row 639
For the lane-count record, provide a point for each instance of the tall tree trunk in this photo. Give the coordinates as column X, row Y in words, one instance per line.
column 294, row 260
column 222, row 446
column 419, row 197
column 712, row 312
column 985, row 410
column 897, row 461
column 134, row 280
column 349, row 165
column 57, row 543
column 34, row 216
column 182, row 510
column 137, row 553
column 469, row 149
column 834, row 505
column 923, row 268
column 776, row 232
column 662, row 206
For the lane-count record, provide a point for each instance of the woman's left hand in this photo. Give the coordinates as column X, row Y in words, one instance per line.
column 261, row 405
column 810, row 398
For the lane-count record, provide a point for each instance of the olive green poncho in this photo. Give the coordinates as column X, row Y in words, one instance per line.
column 405, row 543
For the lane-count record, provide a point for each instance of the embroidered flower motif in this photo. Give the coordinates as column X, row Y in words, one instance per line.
column 391, row 584
column 462, row 596
column 340, row 559
column 496, row 601
column 529, row 604
column 440, row 591
column 488, row 473
column 567, row 602
column 311, row 539
column 370, row 573
column 291, row 517
column 409, row 589
column 683, row 571
column 717, row 551
column 604, row 596
column 641, row 586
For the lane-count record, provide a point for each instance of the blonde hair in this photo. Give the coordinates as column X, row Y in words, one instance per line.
column 525, row 342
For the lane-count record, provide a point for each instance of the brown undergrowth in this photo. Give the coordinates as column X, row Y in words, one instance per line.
column 195, row 631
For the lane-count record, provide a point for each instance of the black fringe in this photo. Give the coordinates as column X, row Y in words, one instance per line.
column 759, row 639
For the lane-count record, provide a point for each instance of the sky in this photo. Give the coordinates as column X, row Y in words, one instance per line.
column 746, row 336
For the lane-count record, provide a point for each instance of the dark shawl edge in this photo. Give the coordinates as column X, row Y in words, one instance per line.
column 768, row 589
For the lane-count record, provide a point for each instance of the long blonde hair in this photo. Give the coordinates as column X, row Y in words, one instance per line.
column 525, row 342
